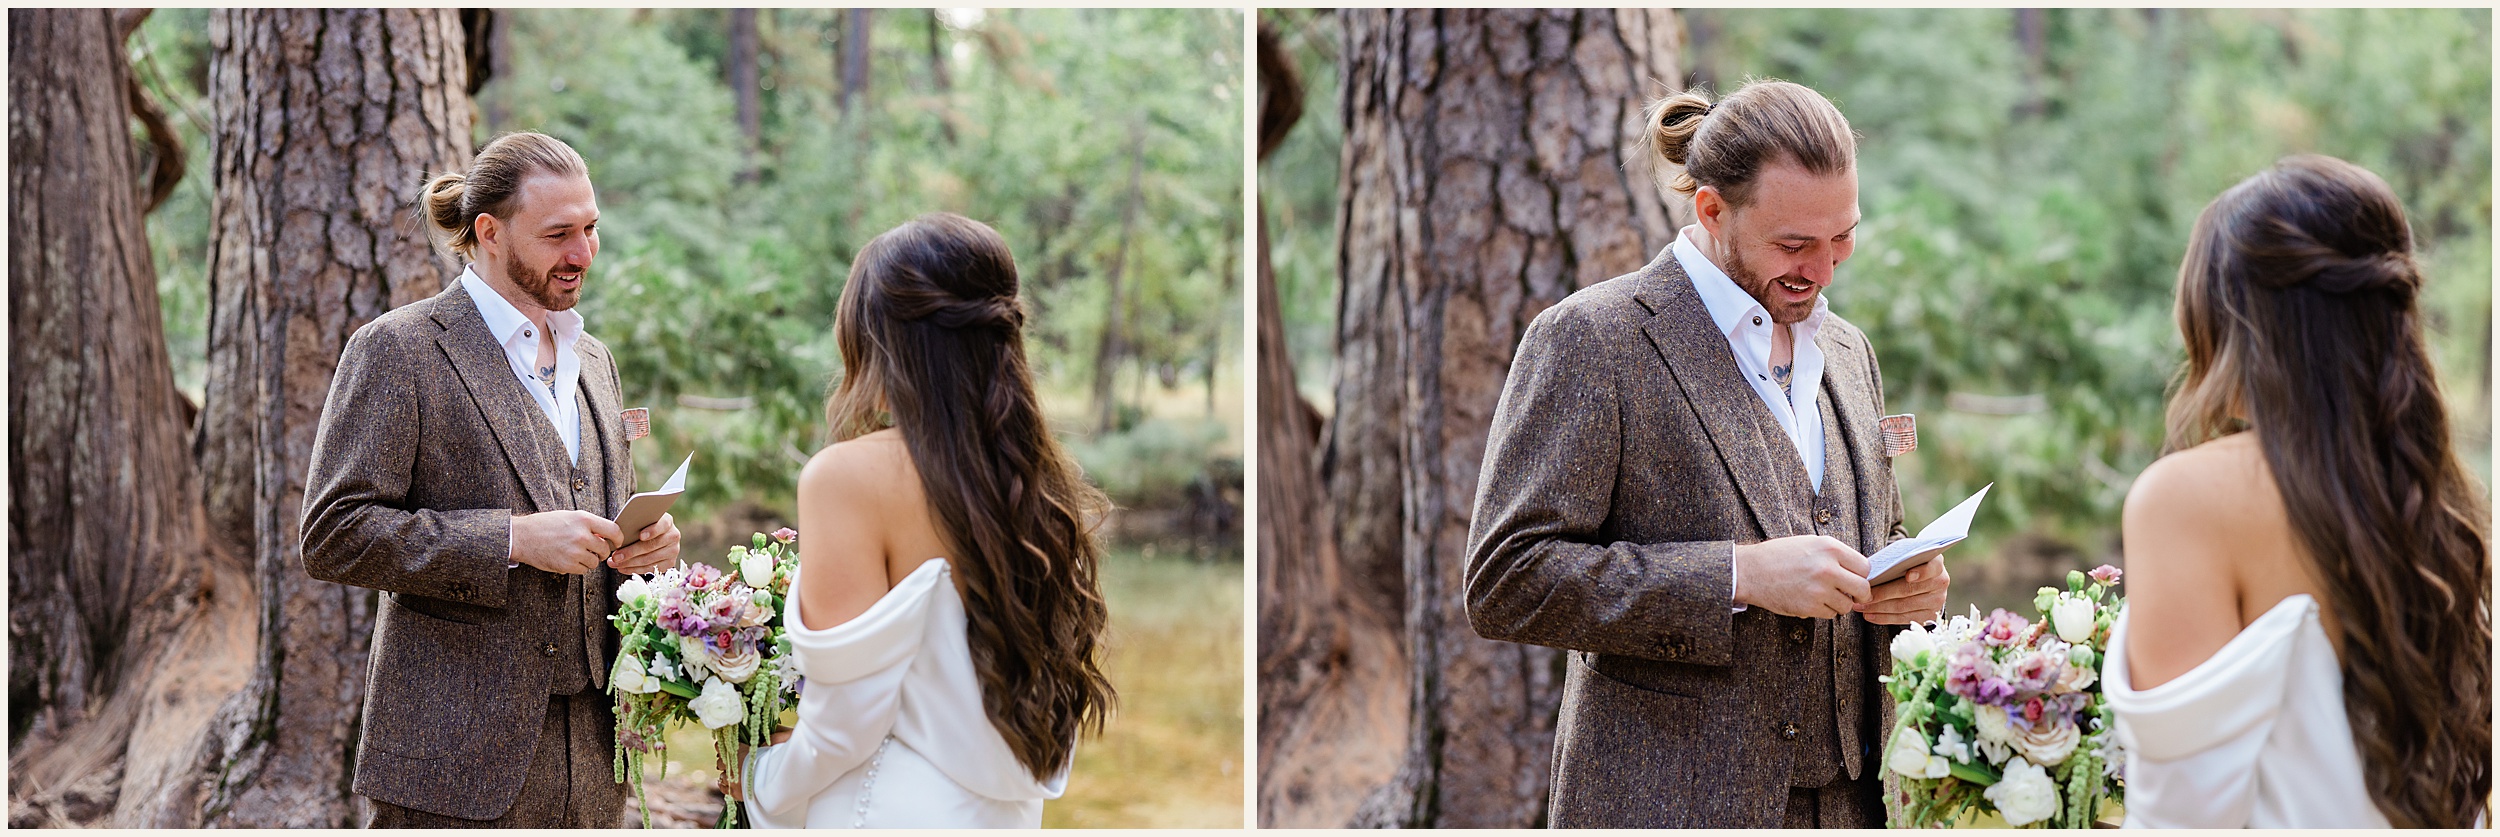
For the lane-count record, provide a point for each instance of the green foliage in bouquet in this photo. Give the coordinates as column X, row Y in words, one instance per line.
column 2004, row 715
column 699, row 645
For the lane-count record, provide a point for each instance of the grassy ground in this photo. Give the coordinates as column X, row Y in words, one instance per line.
column 1172, row 755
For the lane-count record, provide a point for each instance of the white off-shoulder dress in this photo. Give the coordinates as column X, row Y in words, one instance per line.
column 891, row 733
column 2253, row 737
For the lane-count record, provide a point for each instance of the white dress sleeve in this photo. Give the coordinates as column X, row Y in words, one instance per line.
column 847, row 704
column 2193, row 743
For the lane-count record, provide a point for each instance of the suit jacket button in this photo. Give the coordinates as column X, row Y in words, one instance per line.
column 550, row 650
column 1821, row 516
column 1787, row 730
column 1798, row 633
column 579, row 484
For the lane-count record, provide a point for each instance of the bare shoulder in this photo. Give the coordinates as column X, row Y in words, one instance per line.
column 866, row 468
column 2221, row 490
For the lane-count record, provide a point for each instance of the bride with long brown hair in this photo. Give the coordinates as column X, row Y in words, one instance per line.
column 2307, row 641
column 947, row 614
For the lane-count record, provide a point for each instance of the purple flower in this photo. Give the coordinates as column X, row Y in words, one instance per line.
column 2034, row 672
column 723, row 611
column 785, row 534
column 1969, row 675
column 680, row 616
column 2106, row 574
column 2002, row 628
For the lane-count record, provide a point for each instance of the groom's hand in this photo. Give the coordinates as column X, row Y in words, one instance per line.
column 1917, row 596
column 563, row 542
column 655, row 550
column 1812, row 576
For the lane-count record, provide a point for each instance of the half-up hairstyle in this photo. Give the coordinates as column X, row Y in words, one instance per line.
column 1693, row 142
column 492, row 186
column 2297, row 302
column 932, row 342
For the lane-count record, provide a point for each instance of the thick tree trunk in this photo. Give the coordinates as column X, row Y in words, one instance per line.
column 1485, row 178
column 327, row 123
column 116, row 610
column 743, row 85
column 1332, row 684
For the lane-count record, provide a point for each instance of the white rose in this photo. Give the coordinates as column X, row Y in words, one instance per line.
column 697, row 656
column 737, row 665
column 1991, row 724
column 1908, row 756
column 627, row 677
column 632, row 590
column 758, row 569
column 2025, row 796
column 1938, row 767
column 2073, row 617
column 1907, row 646
column 2050, row 742
column 719, row 705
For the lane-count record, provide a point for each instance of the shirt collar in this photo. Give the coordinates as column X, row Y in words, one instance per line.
column 506, row 321
column 1730, row 306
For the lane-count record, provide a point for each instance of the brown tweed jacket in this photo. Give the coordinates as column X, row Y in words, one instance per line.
column 427, row 447
column 1627, row 458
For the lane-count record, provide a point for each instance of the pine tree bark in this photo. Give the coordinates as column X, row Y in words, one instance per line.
column 1485, row 178
column 118, row 602
column 1331, row 679
column 855, row 35
column 327, row 123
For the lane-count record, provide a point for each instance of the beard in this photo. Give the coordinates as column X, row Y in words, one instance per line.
column 540, row 285
column 1783, row 311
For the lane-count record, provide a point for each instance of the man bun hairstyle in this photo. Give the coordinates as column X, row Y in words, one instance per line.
column 1695, row 142
column 491, row 186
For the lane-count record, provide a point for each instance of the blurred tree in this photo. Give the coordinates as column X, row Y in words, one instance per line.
column 743, row 85
column 327, row 122
column 1483, row 181
column 114, row 583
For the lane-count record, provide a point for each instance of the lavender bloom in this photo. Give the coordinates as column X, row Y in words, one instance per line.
column 2031, row 672
column 680, row 617
column 2002, row 628
column 2105, row 574
column 785, row 534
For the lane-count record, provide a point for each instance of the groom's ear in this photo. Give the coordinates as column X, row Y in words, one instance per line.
column 1709, row 207
column 487, row 229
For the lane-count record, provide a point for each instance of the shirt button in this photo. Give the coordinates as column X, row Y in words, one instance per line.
column 528, row 333
column 550, row 650
column 1757, row 321
column 1787, row 730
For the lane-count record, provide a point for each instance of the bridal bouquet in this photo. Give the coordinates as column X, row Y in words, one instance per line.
column 2005, row 714
column 704, row 646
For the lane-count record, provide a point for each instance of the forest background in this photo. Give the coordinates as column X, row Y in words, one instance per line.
column 2028, row 179
column 742, row 156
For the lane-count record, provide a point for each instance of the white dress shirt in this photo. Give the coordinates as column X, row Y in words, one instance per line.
column 1747, row 326
column 520, row 346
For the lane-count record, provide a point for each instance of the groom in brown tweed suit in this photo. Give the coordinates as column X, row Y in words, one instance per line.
column 1682, row 479
column 468, row 461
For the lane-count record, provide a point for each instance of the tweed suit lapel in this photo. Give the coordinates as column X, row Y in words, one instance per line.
column 510, row 412
column 607, row 418
column 1704, row 368
column 1853, row 401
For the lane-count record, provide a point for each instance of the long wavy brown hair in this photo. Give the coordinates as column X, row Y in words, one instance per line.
column 2297, row 302
column 931, row 334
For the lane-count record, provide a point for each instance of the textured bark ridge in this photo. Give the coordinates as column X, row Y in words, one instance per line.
column 1332, row 683
column 119, row 605
column 1490, row 169
column 327, row 123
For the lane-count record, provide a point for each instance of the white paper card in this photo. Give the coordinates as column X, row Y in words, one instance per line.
column 645, row 508
column 1894, row 561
